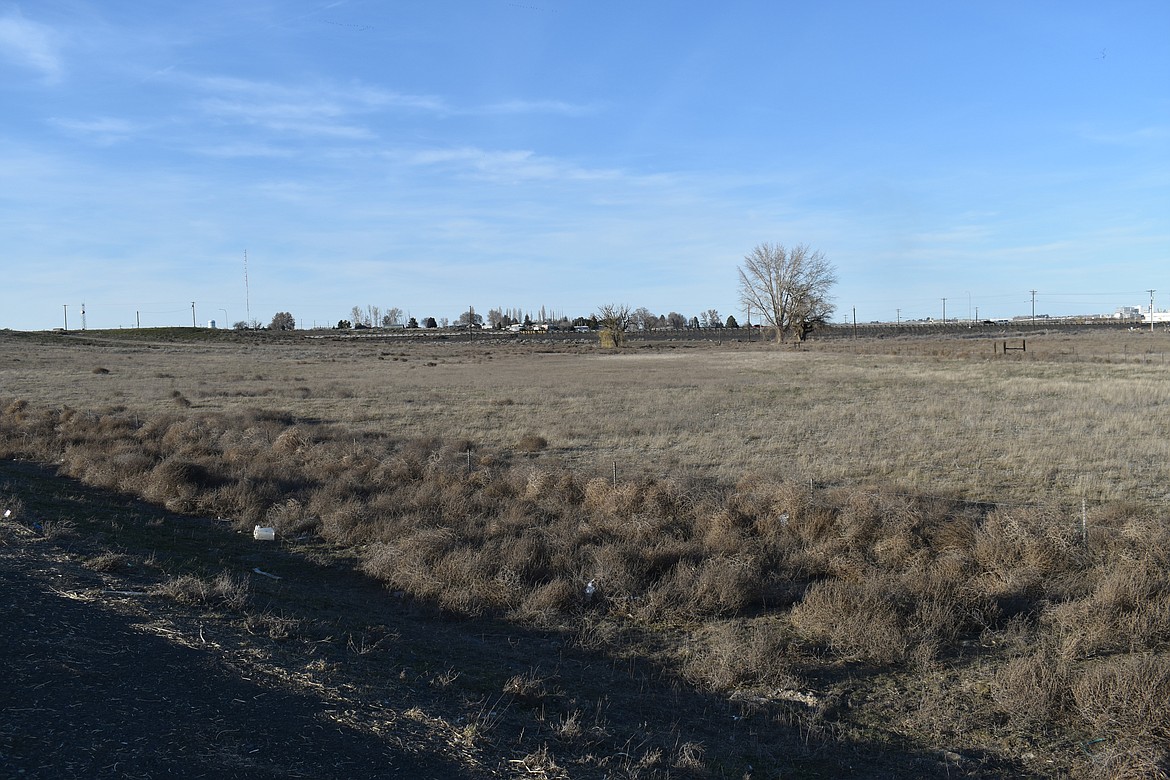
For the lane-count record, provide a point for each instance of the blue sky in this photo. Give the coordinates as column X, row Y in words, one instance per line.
column 433, row 154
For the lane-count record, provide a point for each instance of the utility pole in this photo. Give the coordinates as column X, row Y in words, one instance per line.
column 66, row 316
column 899, row 316
column 247, row 292
column 1033, row 307
column 854, row 322
column 944, row 311
column 1151, row 292
column 193, row 325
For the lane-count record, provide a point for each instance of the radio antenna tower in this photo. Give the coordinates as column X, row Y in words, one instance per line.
column 83, row 316
column 247, row 293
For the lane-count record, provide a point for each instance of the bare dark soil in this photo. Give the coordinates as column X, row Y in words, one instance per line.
column 109, row 671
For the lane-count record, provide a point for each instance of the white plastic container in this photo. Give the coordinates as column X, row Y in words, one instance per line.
column 264, row 534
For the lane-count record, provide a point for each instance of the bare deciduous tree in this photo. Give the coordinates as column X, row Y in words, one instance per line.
column 789, row 286
column 643, row 319
column 282, row 320
column 614, row 321
column 469, row 317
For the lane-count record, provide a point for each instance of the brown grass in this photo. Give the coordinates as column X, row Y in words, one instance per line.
column 1124, row 701
column 108, row 561
column 844, row 544
column 1074, row 417
column 225, row 589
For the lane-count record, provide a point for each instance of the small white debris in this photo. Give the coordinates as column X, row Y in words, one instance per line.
column 7, row 513
column 266, row 574
column 267, row 534
column 590, row 589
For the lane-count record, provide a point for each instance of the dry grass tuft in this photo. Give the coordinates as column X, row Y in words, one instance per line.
column 1126, row 696
column 731, row 655
column 530, row 687
column 225, row 590
column 862, row 620
column 108, row 561
column 690, row 756
column 540, row 765
column 1123, row 701
column 58, row 529
column 1034, row 689
column 531, row 443
column 289, row 441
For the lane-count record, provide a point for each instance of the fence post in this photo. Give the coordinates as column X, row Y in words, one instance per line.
column 1084, row 524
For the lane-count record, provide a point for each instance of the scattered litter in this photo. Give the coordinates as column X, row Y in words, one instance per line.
column 7, row 513
column 265, row 534
column 590, row 589
column 266, row 574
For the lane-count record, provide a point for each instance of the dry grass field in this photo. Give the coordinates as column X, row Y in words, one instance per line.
column 1076, row 416
column 914, row 543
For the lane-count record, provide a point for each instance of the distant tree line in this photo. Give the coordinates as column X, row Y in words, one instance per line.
column 788, row 287
column 503, row 318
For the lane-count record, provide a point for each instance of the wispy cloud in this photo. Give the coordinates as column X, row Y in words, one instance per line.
column 538, row 107
column 308, row 118
column 952, row 236
column 312, row 110
column 507, row 164
column 31, row 45
column 104, row 131
column 241, row 150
